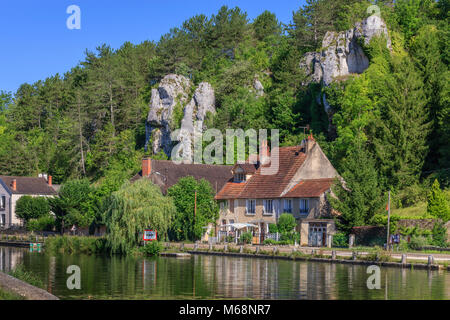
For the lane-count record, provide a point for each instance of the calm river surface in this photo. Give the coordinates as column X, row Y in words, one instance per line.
column 213, row 277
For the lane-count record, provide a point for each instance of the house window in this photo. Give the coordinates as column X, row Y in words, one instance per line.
column 2, row 202
column 224, row 205
column 240, row 177
column 268, row 207
column 304, row 206
column 287, row 206
column 251, row 207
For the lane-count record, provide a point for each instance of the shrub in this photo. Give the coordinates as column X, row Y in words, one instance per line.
column 340, row 240
column 246, row 237
column 269, row 242
column 32, row 207
column 44, row 223
column 273, row 228
column 290, row 237
column 71, row 245
column 439, row 234
column 418, row 242
column 286, row 223
column 152, row 248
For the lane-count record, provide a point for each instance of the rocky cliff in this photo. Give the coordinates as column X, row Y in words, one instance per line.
column 342, row 54
column 171, row 102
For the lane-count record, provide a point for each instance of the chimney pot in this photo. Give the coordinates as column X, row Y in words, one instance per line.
column 49, row 181
column 146, row 167
column 14, row 185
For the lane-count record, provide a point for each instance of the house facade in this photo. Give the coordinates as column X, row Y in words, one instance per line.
column 13, row 188
column 299, row 187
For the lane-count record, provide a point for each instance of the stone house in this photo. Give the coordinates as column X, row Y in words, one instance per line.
column 300, row 187
column 13, row 188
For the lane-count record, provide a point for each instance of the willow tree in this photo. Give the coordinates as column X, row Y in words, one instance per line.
column 134, row 208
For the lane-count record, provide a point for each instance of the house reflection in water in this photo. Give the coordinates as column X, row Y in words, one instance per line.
column 10, row 258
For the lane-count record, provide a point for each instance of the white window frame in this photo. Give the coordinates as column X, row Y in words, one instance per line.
column 267, row 205
column 286, row 207
column 304, row 206
column 2, row 202
column 240, row 177
column 247, row 203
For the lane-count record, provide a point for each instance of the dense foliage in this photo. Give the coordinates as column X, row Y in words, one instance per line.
column 133, row 209
column 388, row 127
column 28, row 207
column 196, row 208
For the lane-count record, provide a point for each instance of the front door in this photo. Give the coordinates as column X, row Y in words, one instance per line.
column 317, row 235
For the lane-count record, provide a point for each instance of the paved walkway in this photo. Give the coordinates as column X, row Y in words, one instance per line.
column 422, row 257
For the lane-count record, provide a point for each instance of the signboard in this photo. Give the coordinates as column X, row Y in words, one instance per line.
column 150, row 235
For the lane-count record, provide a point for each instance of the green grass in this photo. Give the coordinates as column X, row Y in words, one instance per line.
column 418, row 210
column 5, row 295
column 20, row 273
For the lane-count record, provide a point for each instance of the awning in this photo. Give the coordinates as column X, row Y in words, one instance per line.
column 240, row 225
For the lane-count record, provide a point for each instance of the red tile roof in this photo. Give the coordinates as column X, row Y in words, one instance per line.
column 28, row 185
column 231, row 190
column 167, row 173
column 269, row 186
column 310, row 188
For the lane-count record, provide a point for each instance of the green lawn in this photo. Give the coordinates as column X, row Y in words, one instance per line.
column 4, row 295
column 418, row 210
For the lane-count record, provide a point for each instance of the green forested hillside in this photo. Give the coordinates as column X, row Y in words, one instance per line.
column 393, row 118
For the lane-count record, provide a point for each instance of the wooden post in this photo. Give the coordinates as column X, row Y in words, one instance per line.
column 404, row 258
column 333, row 255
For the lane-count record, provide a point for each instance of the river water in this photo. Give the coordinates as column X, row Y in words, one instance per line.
column 215, row 277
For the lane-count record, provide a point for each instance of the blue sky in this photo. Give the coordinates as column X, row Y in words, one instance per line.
column 35, row 42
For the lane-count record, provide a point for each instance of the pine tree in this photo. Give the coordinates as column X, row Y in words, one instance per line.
column 437, row 204
column 359, row 199
column 400, row 140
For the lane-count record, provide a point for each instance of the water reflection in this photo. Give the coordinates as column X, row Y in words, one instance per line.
column 214, row 277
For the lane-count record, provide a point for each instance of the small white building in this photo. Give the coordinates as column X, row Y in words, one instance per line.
column 13, row 188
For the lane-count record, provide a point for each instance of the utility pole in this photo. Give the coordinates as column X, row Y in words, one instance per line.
column 389, row 222
column 195, row 204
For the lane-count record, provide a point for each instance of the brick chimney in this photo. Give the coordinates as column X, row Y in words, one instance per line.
column 146, row 167
column 310, row 143
column 264, row 155
column 14, row 185
column 49, row 181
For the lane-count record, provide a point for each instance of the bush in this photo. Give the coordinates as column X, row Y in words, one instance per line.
column 340, row 240
column 44, row 223
column 152, row 248
column 32, row 207
column 286, row 223
column 273, row 228
column 290, row 237
column 269, row 242
column 439, row 234
column 246, row 237
column 71, row 245
column 418, row 242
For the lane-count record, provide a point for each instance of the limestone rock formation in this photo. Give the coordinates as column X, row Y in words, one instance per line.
column 342, row 54
column 259, row 88
column 171, row 100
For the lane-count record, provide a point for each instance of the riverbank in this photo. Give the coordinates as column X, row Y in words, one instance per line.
column 380, row 257
column 13, row 288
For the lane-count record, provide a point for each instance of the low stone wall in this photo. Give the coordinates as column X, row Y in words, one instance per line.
column 23, row 289
column 427, row 224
